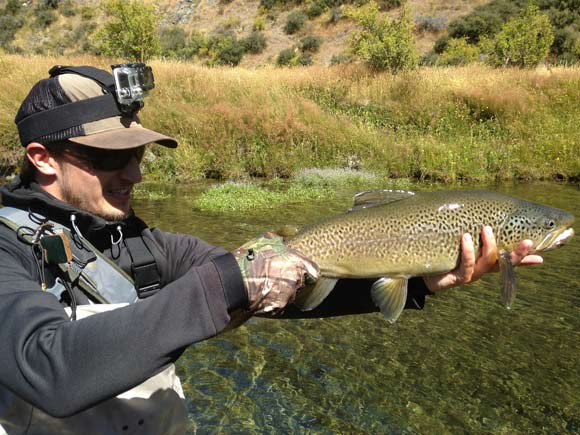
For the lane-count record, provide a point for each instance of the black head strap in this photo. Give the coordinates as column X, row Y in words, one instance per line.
column 73, row 114
column 103, row 78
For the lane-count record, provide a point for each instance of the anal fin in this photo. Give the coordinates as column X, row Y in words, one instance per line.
column 390, row 295
column 507, row 279
column 312, row 296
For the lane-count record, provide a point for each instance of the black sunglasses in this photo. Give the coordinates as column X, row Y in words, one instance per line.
column 104, row 160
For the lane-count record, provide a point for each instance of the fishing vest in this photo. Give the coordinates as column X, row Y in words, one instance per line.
column 153, row 407
column 81, row 262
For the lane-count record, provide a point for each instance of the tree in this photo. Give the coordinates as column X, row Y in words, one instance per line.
column 523, row 41
column 131, row 31
column 383, row 43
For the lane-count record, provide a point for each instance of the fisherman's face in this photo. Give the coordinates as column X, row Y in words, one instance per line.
column 106, row 192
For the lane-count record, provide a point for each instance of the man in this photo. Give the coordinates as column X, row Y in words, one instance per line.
column 96, row 306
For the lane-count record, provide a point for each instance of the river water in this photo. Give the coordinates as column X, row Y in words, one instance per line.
column 463, row 365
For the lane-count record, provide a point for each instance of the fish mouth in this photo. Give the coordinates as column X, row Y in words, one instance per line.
column 555, row 239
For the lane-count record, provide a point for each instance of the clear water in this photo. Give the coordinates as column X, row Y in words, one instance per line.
column 463, row 365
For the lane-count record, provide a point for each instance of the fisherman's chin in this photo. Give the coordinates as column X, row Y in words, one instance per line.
column 113, row 213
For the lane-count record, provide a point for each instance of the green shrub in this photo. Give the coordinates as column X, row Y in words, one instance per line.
column 383, row 43
column 196, row 43
column 254, row 43
column 304, row 59
column 270, row 4
column 293, row 57
column 335, row 15
column 230, row 23
column 68, row 8
column 267, row 4
column 391, row 4
column 429, row 59
column 430, row 23
column 294, row 22
column 49, row 4
column 315, row 9
column 130, row 32
column 311, row 43
column 286, row 57
column 81, row 35
column 13, row 7
column 485, row 20
column 177, row 44
column 523, row 41
column 9, row 25
column 224, row 49
column 259, row 24
column 441, row 44
column 173, row 41
column 44, row 17
column 87, row 13
column 566, row 44
column 459, row 52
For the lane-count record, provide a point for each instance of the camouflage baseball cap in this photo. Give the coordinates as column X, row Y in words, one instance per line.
column 76, row 108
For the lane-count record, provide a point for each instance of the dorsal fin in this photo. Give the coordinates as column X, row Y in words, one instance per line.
column 372, row 198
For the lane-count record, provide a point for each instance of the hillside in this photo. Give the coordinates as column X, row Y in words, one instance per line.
column 65, row 27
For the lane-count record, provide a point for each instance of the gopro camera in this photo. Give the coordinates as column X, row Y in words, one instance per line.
column 133, row 81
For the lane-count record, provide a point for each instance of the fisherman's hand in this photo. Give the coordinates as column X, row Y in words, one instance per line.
column 273, row 273
column 471, row 269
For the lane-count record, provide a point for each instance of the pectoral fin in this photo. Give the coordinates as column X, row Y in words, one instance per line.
column 287, row 231
column 390, row 295
column 312, row 296
column 507, row 279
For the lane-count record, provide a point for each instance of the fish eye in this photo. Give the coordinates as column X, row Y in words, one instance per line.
column 549, row 223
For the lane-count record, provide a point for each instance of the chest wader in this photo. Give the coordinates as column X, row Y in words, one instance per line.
column 157, row 405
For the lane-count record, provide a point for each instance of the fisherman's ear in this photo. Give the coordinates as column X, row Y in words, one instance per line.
column 42, row 159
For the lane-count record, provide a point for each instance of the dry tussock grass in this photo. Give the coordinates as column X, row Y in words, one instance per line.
column 271, row 121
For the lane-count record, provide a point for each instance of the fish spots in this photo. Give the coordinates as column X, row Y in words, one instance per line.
column 421, row 233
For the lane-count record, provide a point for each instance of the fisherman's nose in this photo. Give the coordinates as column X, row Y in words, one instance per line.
column 132, row 172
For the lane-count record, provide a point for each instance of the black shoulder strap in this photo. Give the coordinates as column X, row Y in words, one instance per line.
column 143, row 267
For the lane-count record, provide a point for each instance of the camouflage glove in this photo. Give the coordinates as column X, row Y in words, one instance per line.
column 273, row 273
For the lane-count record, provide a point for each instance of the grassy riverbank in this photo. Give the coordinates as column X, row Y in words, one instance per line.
column 471, row 123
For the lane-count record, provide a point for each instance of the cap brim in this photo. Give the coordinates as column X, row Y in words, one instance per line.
column 124, row 138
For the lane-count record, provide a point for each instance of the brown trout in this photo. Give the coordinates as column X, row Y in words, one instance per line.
column 395, row 235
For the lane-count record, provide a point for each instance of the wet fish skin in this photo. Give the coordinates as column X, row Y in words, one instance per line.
column 397, row 235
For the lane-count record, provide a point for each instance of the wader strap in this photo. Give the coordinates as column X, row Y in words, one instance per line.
column 97, row 275
column 144, row 267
